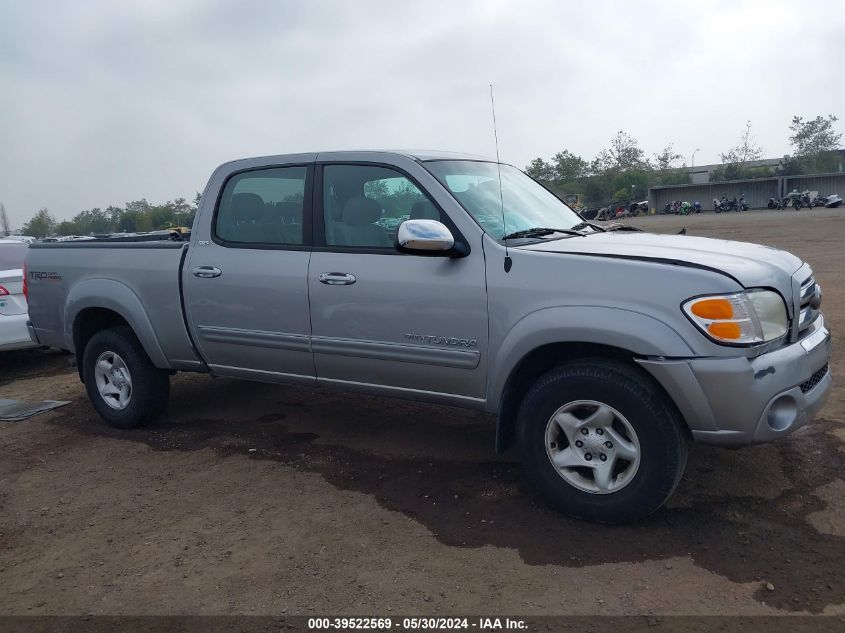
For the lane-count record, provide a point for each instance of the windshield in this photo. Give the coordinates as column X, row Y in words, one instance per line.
column 527, row 204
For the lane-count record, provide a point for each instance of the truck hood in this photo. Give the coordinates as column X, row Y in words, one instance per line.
column 751, row 265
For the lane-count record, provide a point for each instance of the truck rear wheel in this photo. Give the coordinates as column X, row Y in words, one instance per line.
column 124, row 386
column 600, row 441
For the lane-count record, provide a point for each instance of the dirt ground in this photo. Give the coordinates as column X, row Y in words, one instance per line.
column 259, row 499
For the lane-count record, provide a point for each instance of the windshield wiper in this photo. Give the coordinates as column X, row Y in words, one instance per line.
column 585, row 224
column 539, row 231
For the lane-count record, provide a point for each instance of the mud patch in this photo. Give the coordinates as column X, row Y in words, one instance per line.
column 479, row 503
column 831, row 520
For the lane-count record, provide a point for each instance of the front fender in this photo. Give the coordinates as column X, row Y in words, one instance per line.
column 112, row 295
column 638, row 333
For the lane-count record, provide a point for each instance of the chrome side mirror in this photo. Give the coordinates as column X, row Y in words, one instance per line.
column 425, row 237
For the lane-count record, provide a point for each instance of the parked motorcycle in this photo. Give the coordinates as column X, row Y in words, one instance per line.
column 806, row 199
column 799, row 200
column 724, row 204
column 742, row 205
column 817, row 200
column 696, row 207
column 775, row 203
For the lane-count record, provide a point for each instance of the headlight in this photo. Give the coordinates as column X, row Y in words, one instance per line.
column 744, row 318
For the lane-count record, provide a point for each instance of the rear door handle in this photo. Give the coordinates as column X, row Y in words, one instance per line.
column 207, row 272
column 337, row 279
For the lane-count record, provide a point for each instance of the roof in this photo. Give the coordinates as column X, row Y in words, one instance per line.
column 354, row 155
column 433, row 154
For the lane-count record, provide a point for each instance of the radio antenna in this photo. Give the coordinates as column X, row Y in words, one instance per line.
column 508, row 261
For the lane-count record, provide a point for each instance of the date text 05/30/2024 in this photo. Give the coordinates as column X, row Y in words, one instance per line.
column 417, row 623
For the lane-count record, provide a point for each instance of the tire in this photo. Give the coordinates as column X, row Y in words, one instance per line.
column 638, row 486
column 148, row 387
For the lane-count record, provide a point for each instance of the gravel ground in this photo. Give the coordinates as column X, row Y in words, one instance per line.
column 250, row 498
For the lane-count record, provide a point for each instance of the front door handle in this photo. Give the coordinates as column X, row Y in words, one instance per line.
column 337, row 279
column 207, row 272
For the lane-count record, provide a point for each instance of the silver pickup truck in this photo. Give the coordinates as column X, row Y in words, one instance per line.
column 455, row 280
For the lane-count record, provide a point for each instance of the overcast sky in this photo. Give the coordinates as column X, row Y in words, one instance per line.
column 105, row 102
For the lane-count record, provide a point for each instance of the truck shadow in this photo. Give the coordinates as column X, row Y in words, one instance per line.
column 421, row 469
column 27, row 363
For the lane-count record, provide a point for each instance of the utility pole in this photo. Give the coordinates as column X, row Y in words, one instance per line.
column 692, row 161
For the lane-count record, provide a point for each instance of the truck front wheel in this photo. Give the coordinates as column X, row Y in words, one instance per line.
column 123, row 385
column 600, row 441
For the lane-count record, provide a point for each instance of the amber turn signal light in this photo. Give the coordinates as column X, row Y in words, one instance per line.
column 730, row 330
column 713, row 309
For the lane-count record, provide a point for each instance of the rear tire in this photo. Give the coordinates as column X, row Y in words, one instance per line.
column 601, row 441
column 122, row 383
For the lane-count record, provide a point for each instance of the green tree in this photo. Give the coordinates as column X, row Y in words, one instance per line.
column 790, row 166
column 161, row 216
column 679, row 176
column 568, row 167
column 667, row 159
column 92, row 221
column 624, row 153
column 736, row 162
column 540, row 170
column 67, row 227
column 115, row 215
column 813, row 137
column 41, row 225
column 632, row 185
column 135, row 217
column 816, row 142
column 670, row 167
column 746, row 151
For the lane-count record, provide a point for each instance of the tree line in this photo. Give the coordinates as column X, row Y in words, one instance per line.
column 623, row 172
column 137, row 216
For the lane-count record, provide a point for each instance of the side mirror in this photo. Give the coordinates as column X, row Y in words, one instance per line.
column 427, row 237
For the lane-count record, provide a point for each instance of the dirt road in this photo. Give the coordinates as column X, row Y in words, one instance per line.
column 259, row 499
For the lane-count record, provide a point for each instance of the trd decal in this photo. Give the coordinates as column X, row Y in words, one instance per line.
column 38, row 275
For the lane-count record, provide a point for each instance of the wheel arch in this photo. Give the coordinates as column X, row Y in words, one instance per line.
column 544, row 340
column 98, row 304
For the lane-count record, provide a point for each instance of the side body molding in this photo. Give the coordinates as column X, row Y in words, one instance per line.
column 639, row 333
column 117, row 297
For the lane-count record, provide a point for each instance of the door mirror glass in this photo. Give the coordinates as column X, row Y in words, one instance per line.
column 424, row 237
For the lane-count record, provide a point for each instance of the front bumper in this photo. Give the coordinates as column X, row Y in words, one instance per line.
column 739, row 401
column 14, row 333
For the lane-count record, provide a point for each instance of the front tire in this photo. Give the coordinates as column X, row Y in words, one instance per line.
column 123, row 385
column 601, row 442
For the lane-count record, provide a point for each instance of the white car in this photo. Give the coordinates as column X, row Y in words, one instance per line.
column 13, row 313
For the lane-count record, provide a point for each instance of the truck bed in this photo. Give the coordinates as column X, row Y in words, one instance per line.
column 67, row 278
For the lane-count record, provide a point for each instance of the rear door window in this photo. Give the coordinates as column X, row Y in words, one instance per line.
column 265, row 206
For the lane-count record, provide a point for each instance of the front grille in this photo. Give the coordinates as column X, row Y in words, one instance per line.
column 814, row 379
column 806, row 312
